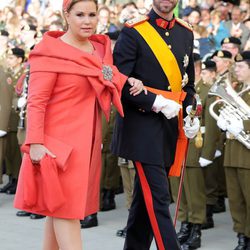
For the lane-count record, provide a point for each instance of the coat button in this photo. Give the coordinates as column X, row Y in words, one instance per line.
column 169, row 87
column 170, row 47
column 167, row 33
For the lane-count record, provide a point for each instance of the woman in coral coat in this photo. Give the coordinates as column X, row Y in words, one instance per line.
column 72, row 78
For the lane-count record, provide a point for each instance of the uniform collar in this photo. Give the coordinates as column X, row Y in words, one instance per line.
column 161, row 22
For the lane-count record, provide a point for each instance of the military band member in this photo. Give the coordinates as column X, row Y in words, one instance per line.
column 192, row 211
column 4, row 38
column 14, row 60
column 156, row 49
column 237, row 160
column 5, row 106
column 231, row 44
column 224, row 61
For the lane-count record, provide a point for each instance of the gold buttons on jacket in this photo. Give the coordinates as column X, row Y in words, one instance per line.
column 141, row 110
column 167, row 33
column 169, row 87
column 170, row 47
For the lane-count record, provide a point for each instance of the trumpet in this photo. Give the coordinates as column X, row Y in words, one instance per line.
column 231, row 105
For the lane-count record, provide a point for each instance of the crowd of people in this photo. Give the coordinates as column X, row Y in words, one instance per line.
column 217, row 164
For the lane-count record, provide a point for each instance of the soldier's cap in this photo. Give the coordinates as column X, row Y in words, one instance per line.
column 222, row 54
column 231, row 39
column 243, row 56
column 29, row 27
column 210, row 65
column 18, row 52
column 196, row 57
column 234, row 2
column 4, row 33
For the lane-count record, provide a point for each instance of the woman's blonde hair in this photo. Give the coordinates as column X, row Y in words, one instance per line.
column 77, row 1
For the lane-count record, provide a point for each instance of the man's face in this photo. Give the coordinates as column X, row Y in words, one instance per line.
column 165, row 6
column 231, row 48
column 236, row 16
column 103, row 17
column 242, row 71
column 207, row 75
column 13, row 61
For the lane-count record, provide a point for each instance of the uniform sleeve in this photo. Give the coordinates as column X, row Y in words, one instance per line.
column 41, row 86
column 212, row 134
column 6, row 92
column 246, row 125
column 125, row 56
column 189, row 88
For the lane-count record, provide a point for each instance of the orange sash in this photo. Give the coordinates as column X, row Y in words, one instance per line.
column 182, row 140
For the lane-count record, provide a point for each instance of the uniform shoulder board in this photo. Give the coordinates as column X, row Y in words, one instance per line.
column 135, row 21
column 184, row 24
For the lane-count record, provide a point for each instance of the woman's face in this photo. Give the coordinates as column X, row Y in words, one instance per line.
column 82, row 19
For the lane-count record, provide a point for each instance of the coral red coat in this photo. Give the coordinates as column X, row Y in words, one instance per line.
column 67, row 92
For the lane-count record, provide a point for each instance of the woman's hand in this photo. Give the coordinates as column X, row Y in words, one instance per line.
column 137, row 86
column 37, row 152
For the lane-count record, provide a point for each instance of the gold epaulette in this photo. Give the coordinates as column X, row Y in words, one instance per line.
column 135, row 21
column 184, row 24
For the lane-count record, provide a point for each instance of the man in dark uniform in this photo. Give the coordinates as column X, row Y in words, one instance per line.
column 157, row 50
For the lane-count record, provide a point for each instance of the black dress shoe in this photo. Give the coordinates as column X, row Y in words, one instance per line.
column 89, row 221
column 209, row 217
column 220, row 206
column 36, row 216
column 184, row 232
column 194, row 240
column 22, row 214
column 208, row 224
column 108, row 200
column 12, row 189
column 242, row 242
column 122, row 232
column 9, row 185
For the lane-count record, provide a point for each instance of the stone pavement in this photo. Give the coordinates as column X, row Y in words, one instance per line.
column 26, row 234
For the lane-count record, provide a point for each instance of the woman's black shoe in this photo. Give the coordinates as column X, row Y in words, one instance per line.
column 89, row 221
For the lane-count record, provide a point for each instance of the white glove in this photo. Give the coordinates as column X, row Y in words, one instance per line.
column 2, row 133
column 222, row 123
column 169, row 108
column 235, row 126
column 217, row 154
column 191, row 128
column 204, row 162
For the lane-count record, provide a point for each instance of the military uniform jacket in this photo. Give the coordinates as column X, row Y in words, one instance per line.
column 212, row 133
column 236, row 154
column 5, row 100
column 143, row 135
column 14, row 116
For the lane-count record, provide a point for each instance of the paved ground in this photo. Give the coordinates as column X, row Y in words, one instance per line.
column 26, row 234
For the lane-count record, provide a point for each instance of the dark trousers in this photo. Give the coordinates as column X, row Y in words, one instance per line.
column 149, row 213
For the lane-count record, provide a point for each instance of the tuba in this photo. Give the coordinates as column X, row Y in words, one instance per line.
column 231, row 104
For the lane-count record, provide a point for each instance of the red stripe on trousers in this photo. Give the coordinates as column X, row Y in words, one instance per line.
column 149, row 205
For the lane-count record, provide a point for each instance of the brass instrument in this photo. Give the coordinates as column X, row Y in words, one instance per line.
column 231, row 105
column 22, row 101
